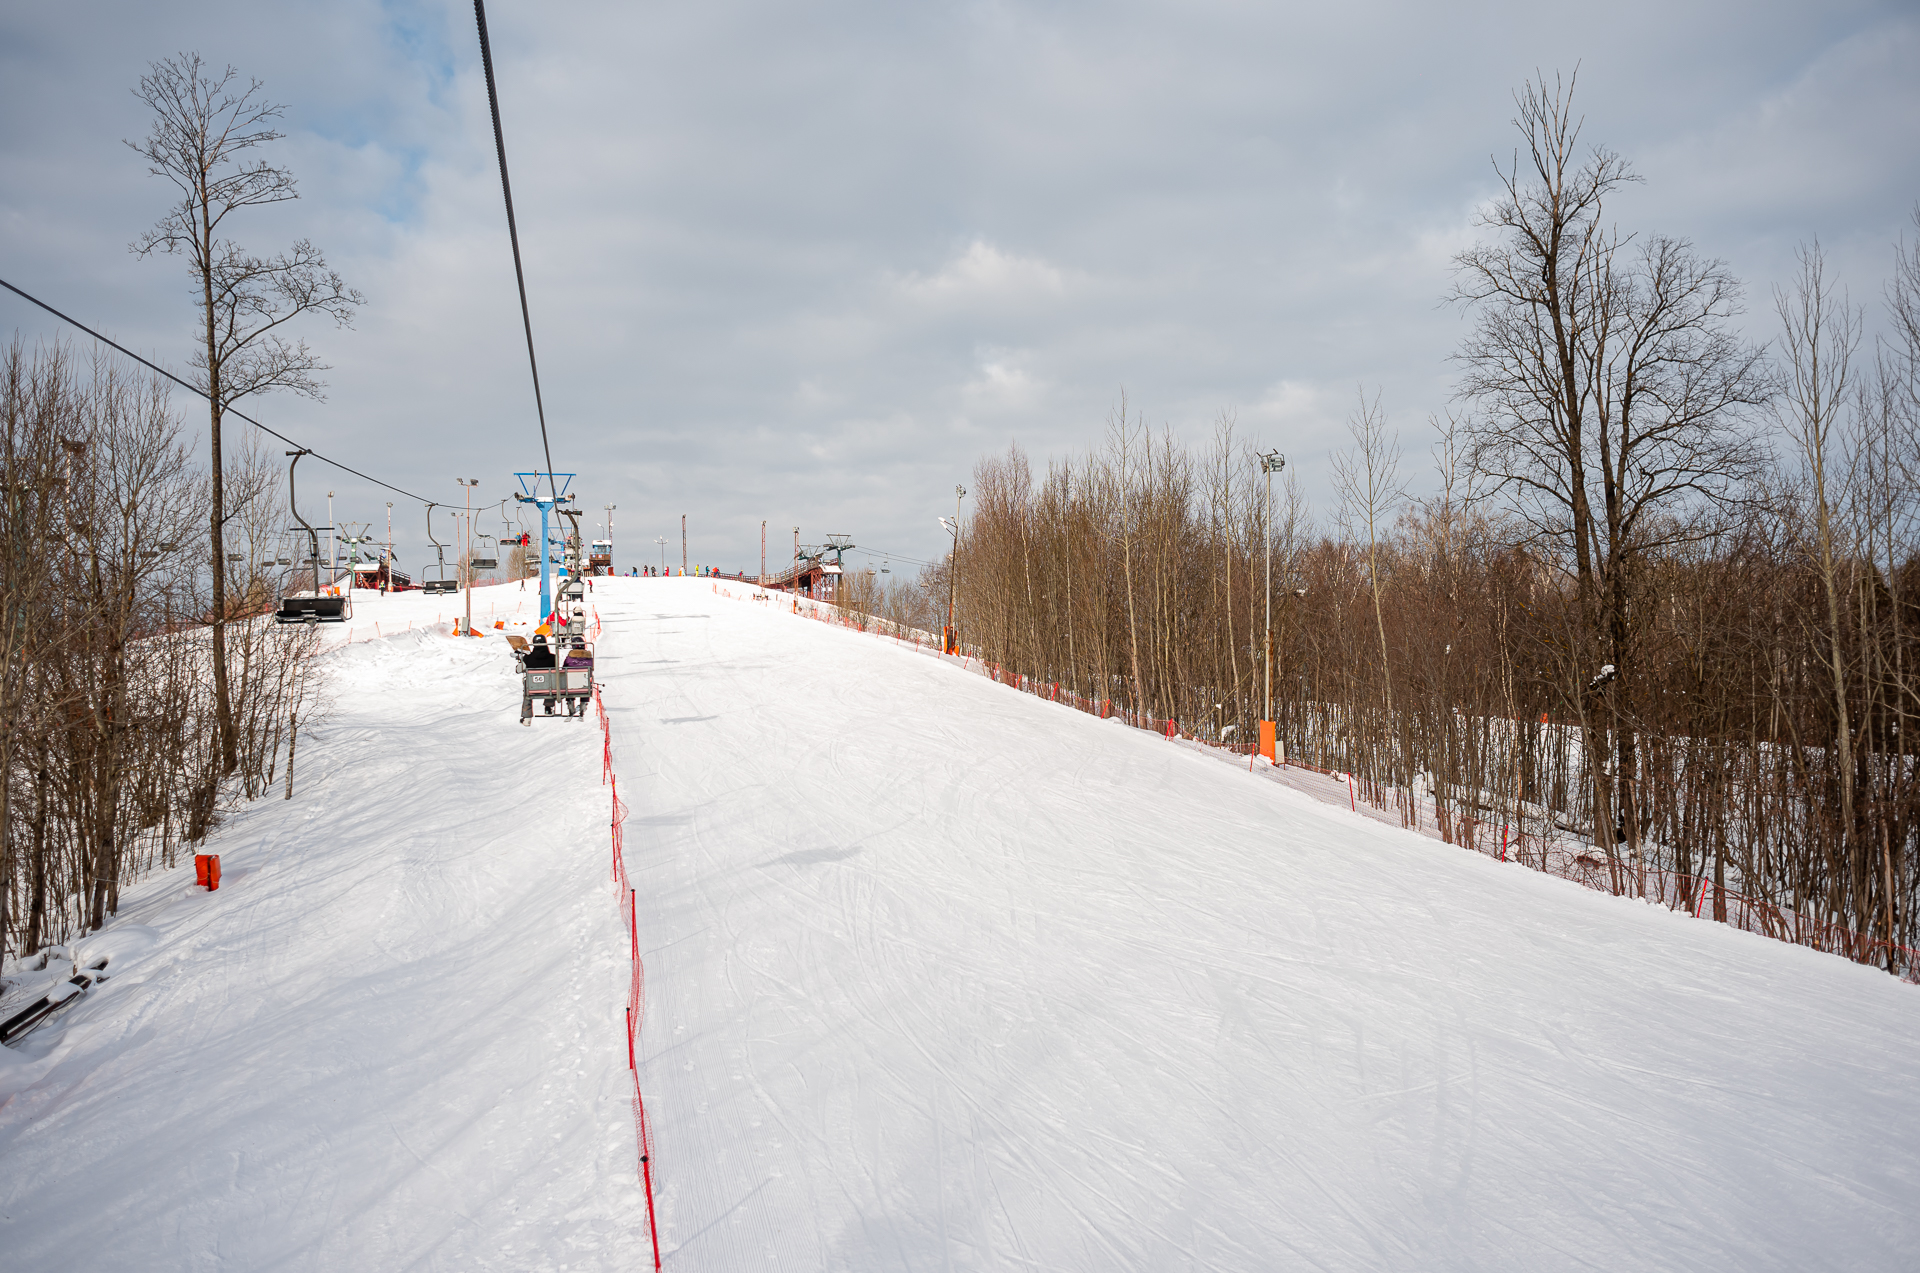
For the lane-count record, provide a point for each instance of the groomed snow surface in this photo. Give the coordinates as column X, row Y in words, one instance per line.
column 939, row 976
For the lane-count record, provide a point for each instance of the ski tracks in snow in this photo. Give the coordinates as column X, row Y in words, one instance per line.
column 939, row 976
column 951, row 977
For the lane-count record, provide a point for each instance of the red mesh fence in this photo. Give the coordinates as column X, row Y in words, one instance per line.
column 637, row 983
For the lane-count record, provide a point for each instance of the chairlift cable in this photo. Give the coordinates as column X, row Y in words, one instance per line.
column 513, row 234
column 877, row 552
column 226, row 411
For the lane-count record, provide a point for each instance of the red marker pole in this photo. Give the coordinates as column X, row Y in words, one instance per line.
column 646, row 1173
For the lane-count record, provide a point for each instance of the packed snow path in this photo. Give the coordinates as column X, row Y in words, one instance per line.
column 940, row 976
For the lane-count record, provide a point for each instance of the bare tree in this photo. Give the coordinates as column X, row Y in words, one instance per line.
column 37, row 410
column 1367, row 478
column 204, row 125
column 1820, row 335
column 1614, row 399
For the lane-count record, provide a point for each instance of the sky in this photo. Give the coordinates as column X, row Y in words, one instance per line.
column 809, row 264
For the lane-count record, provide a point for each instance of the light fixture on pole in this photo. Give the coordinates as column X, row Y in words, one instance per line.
column 1270, row 463
column 466, row 554
column 662, row 541
column 951, row 642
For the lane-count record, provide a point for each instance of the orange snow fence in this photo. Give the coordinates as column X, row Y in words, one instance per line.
column 206, row 870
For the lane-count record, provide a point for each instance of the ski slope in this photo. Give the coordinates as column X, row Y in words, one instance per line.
column 939, row 976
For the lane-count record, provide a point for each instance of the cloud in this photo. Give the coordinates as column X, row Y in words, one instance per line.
column 807, row 264
column 983, row 276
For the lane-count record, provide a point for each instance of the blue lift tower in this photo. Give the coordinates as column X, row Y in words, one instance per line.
column 557, row 484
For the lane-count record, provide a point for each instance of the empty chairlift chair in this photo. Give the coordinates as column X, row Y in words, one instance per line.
column 442, row 584
column 313, row 607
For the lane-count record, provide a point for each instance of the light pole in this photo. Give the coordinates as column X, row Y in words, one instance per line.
column 389, row 571
column 1270, row 463
column 953, row 572
column 466, row 553
column 662, row 541
column 763, row 552
column 610, row 508
column 333, row 557
column 796, row 570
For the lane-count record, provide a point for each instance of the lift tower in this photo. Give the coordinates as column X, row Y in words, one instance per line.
column 557, row 485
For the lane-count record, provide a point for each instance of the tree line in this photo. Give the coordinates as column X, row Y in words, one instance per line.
column 113, row 759
column 142, row 679
column 1664, row 599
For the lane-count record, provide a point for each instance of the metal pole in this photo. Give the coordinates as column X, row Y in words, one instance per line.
column 796, row 570
column 683, row 544
column 389, row 571
column 546, row 592
column 662, row 541
column 313, row 541
column 763, row 552
column 953, row 575
column 333, row 553
column 1270, row 463
column 466, row 553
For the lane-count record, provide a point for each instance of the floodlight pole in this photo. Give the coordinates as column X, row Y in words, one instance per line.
column 466, row 554
column 333, row 552
column 1270, row 463
column 953, row 573
column 610, row 569
column 389, row 571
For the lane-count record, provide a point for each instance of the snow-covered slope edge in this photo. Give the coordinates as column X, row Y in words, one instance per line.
column 391, row 1039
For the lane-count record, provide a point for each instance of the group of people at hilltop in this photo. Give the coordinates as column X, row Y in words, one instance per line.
column 655, row 572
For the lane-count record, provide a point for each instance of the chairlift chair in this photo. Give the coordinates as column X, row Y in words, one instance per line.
column 558, row 675
column 442, row 584
column 315, row 608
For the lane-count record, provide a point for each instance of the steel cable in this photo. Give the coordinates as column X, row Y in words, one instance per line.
column 224, row 411
column 513, row 234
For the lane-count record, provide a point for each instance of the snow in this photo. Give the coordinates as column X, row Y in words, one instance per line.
column 939, row 976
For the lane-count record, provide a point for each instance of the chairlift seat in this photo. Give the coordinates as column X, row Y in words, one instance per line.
column 438, row 586
column 486, row 563
column 568, row 687
column 313, row 610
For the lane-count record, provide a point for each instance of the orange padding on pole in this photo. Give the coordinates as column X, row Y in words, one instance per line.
column 206, row 870
column 1266, row 739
